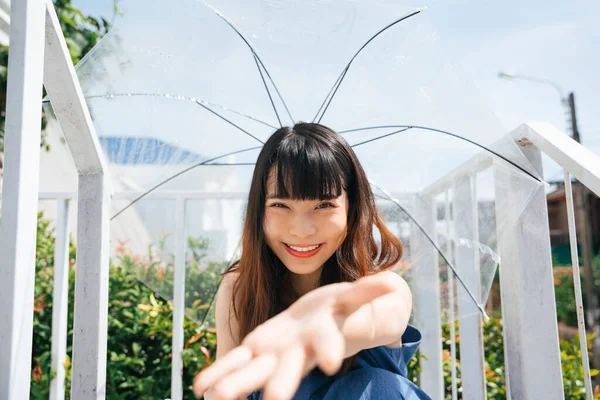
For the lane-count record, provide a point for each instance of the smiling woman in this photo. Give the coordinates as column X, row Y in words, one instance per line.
column 311, row 288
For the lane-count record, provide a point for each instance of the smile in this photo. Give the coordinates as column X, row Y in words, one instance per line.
column 303, row 251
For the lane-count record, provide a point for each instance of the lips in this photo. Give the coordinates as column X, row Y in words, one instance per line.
column 303, row 251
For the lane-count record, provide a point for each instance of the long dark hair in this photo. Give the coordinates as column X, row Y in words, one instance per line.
column 310, row 162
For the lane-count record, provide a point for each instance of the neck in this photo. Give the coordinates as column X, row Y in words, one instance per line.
column 304, row 283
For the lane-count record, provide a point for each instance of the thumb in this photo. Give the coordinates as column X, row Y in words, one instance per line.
column 361, row 292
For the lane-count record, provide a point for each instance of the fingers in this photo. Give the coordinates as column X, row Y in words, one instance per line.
column 247, row 379
column 222, row 367
column 274, row 336
column 361, row 292
column 286, row 379
column 328, row 345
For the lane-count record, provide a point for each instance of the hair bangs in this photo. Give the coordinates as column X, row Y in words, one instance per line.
column 306, row 170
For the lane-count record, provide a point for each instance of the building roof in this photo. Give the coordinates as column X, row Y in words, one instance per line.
column 145, row 151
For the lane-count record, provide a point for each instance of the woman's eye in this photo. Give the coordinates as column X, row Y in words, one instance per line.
column 279, row 205
column 325, row 205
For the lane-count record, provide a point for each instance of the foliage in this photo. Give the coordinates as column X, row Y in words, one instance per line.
column 81, row 34
column 566, row 309
column 42, row 322
column 570, row 355
column 139, row 332
column 157, row 268
column 494, row 363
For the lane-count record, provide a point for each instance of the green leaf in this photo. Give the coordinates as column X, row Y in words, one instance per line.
column 136, row 348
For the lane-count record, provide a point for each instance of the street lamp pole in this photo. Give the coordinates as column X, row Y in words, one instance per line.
column 593, row 314
column 564, row 100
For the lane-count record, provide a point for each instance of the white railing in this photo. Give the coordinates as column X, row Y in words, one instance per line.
column 526, row 279
column 61, row 287
column 38, row 53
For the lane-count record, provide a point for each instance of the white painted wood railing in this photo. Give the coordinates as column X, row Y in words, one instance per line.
column 38, row 53
column 526, row 278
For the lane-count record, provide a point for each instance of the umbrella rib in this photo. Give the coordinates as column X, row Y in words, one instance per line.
column 243, row 164
column 337, row 84
column 181, row 173
column 381, row 137
column 230, row 122
column 438, row 131
column 268, row 91
column 214, row 295
column 440, row 252
column 254, row 53
column 176, row 97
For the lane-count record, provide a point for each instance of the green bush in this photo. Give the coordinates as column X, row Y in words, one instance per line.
column 139, row 330
column 572, row 370
column 156, row 270
column 566, row 309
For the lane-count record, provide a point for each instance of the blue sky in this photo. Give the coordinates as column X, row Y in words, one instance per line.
column 556, row 40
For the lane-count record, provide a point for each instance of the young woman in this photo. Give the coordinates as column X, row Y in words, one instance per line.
column 310, row 310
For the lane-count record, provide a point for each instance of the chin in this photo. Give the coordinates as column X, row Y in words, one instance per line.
column 302, row 269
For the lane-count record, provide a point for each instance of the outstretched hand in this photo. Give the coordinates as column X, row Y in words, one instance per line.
column 278, row 353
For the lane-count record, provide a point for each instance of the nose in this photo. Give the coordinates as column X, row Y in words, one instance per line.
column 303, row 226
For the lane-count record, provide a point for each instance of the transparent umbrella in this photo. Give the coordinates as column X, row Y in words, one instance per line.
column 184, row 94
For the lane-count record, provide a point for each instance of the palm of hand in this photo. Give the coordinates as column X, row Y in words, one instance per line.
column 278, row 353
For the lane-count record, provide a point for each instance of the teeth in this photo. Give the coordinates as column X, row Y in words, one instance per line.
column 303, row 249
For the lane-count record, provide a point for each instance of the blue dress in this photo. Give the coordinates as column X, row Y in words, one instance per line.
column 378, row 374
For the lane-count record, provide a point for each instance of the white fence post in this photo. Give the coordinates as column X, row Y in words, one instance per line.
column 20, row 198
column 91, row 290
column 178, row 301
column 426, row 289
column 60, row 300
column 530, row 328
column 91, row 278
column 589, row 391
column 467, row 264
column 450, row 283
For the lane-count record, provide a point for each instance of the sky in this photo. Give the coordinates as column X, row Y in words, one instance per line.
column 555, row 40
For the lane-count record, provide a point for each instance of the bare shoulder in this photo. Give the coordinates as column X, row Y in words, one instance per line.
column 228, row 281
column 227, row 326
column 225, row 293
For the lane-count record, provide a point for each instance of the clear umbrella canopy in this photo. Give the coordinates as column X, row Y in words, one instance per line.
column 184, row 94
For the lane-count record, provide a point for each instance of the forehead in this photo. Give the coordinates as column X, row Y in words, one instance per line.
column 302, row 179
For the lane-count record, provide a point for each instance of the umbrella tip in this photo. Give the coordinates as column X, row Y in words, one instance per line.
column 486, row 317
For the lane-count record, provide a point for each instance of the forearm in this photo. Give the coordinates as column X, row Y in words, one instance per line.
column 380, row 322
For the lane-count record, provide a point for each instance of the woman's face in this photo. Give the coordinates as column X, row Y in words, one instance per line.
column 304, row 234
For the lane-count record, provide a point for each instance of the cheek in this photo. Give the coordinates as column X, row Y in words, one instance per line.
column 268, row 227
column 272, row 227
column 337, row 226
